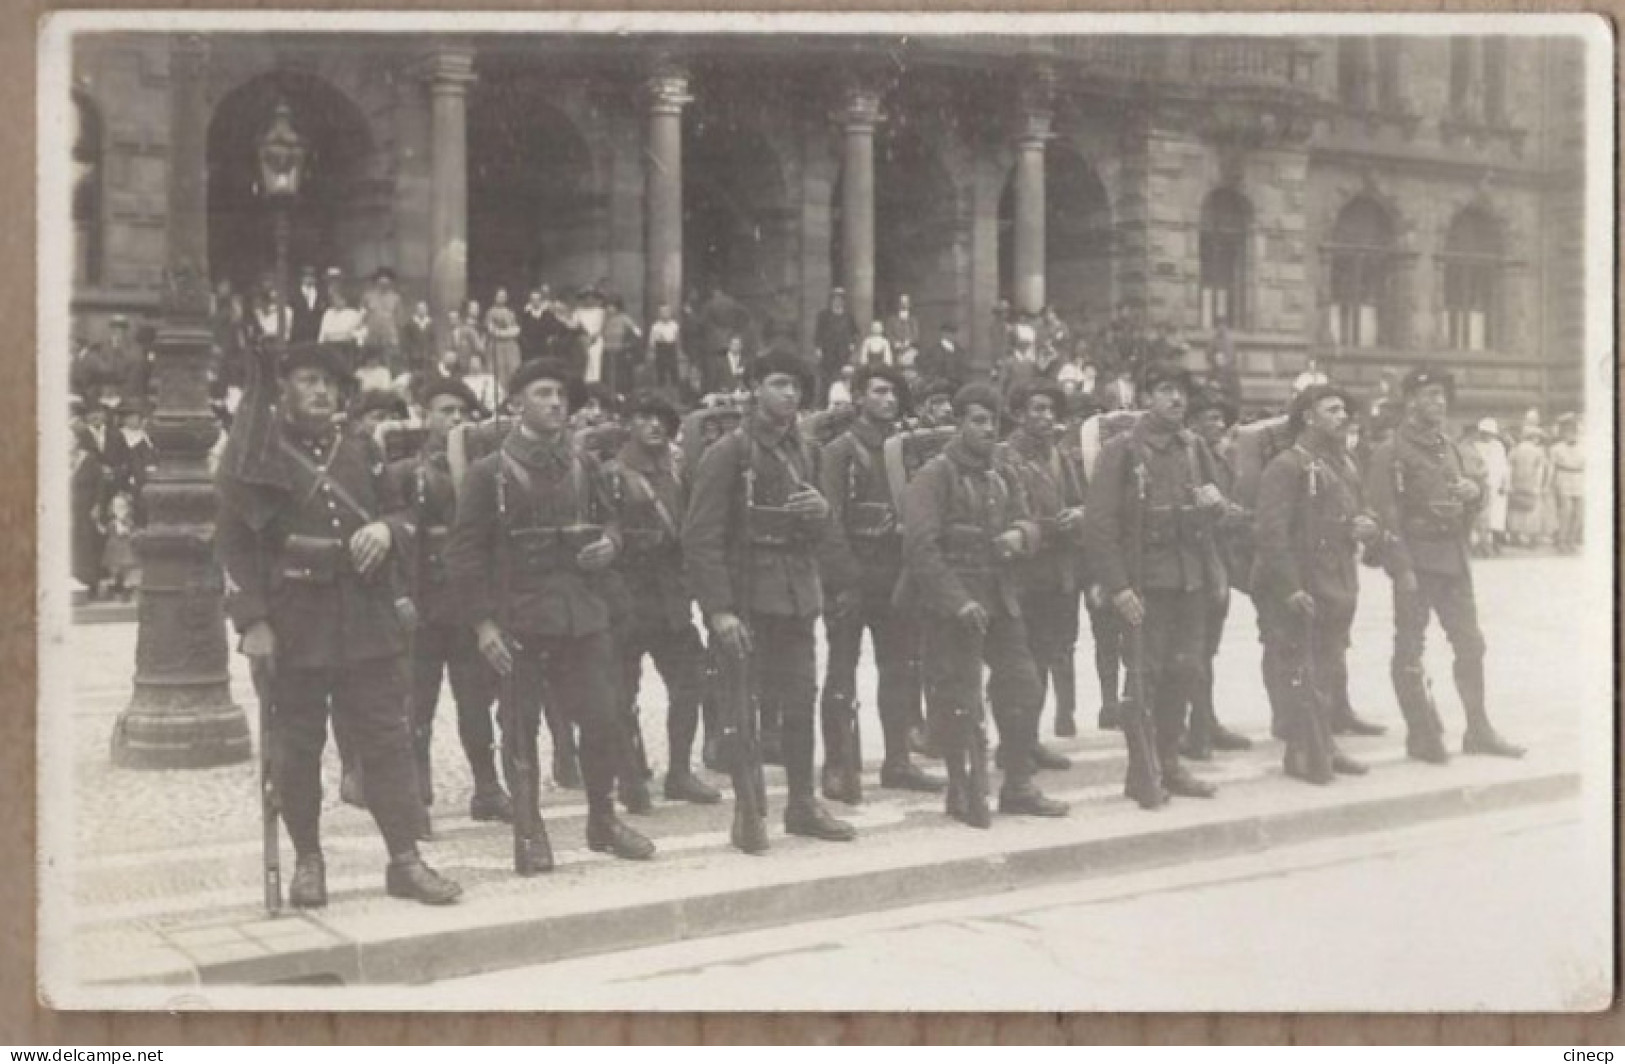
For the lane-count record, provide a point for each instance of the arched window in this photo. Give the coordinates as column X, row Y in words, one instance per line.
column 1361, row 256
column 87, row 192
column 1471, row 258
column 1225, row 220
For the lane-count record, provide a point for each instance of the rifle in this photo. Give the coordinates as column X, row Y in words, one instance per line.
column 532, row 853
column 270, row 805
column 1143, row 781
column 741, row 738
column 1314, row 738
column 970, row 744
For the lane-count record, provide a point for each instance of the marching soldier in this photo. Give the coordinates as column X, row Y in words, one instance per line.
column 751, row 537
column 308, row 522
column 861, row 564
column 533, row 538
column 965, row 523
column 1426, row 491
column 1211, row 417
column 1049, row 578
column 1311, row 520
column 442, row 644
column 1150, row 518
column 646, row 482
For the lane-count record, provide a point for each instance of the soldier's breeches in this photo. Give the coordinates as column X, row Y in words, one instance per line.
column 581, row 683
column 679, row 658
column 1107, row 632
column 897, row 663
column 955, row 669
column 1452, row 599
column 451, row 650
column 368, row 704
column 1175, row 643
column 1312, row 655
column 784, row 662
column 1051, row 617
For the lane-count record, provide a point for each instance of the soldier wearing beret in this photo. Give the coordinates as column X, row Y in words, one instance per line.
column 1051, row 578
column 650, row 490
column 1151, row 517
column 1311, row 520
column 861, row 563
column 535, row 533
column 308, row 526
column 966, row 524
column 1426, row 490
column 442, row 645
column 751, row 537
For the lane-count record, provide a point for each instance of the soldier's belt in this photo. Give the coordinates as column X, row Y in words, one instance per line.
column 1166, row 526
column 968, row 548
column 314, row 559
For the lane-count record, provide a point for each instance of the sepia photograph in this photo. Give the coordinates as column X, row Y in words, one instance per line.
column 759, row 512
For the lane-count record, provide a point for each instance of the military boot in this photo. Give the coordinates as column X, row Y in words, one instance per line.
column 901, row 774
column 1047, row 760
column 1176, row 778
column 1110, row 718
column 684, row 786
column 490, row 802
column 567, row 766
column 1481, row 738
column 1021, row 797
column 804, row 815
column 607, row 833
column 408, row 877
column 954, row 796
column 1424, row 732
column 308, row 888
column 749, row 833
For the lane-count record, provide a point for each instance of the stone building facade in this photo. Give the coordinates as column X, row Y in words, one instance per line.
column 1369, row 202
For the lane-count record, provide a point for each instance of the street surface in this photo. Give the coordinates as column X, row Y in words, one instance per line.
column 1460, row 916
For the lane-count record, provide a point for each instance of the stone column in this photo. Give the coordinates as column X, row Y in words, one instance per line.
column 1029, row 194
column 667, row 95
column 860, row 114
column 181, row 714
column 450, row 72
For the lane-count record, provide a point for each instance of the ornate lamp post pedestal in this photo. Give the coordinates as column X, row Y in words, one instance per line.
column 181, row 714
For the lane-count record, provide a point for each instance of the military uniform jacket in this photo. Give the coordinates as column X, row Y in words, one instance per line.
column 956, row 490
column 1307, row 503
column 524, row 489
column 424, row 484
column 285, row 552
column 1409, row 485
column 649, row 498
column 1162, row 544
column 863, row 549
column 720, row 540
column 1051, row 482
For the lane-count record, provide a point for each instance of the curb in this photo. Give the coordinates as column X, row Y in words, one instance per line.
column 470, row 939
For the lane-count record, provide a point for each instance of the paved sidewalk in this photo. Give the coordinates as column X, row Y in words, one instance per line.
column 166, row 883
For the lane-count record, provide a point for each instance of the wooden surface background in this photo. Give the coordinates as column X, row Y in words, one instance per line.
column 24, row 1022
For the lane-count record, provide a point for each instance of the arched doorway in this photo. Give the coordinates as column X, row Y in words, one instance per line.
column 1077, row 238
column 332, row 223
column 916, row 230
column 1471, row 263
column 535, row 206
column 1360, row 263
column 738, row 224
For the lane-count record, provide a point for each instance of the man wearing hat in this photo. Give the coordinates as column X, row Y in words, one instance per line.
column 442, row 645
column 934, row 403
column 646, row 481
column 1311, row 521
column 309, row 529
column 1050, row 579
column 861, row 563
column 309, row 305
column 966, row 525
column 751, row 537
column 1151, row 518
column 1426, row 490
column 535, row 535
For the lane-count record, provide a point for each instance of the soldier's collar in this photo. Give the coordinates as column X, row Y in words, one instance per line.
column 961, row 456
column 636, row 457
column 869, row 434
column 1150, row 430
column 771, row 435
column 1029, row 445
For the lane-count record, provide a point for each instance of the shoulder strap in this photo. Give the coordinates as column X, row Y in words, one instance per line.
column 320, row 476
column 891, row 455
column 641, row 485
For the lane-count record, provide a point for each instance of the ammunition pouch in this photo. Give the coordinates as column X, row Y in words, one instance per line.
column 872, row 522
column 1170, row 526
column 968, row 548
column 547, row 549
column 777, row 528
column 314, row 559
column 1441, row 520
